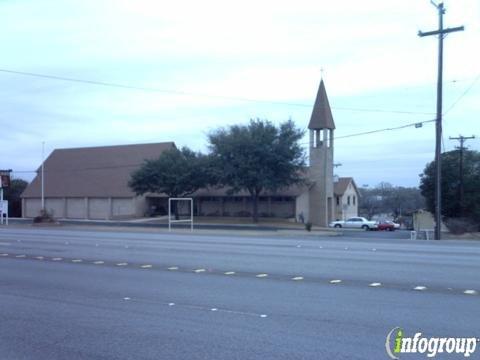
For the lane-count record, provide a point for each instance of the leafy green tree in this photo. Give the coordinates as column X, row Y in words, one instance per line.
column 451, row 206
column 176, row 173
column 12, row 194
column 258, row 157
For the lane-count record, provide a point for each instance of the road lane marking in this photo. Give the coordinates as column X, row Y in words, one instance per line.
column 297, row 278
column 420, row 288
column 21, row 256
column 470, row 292
column 126, row 298
column 147, row 266
column 336, row 281
column 375, row 284
column 171, row 304
column 173, row 268
column 3, row 254
column 57, row 259
column 39, row 257
column 229, row 273
column 263, row 316
column 99, row 262
column 122, row 264
column 261, row 275
column 199, row 270
column 77, row 260
column 374, row 249
column 214, row 309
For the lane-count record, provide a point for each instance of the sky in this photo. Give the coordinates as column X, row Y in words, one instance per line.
column 209, row 64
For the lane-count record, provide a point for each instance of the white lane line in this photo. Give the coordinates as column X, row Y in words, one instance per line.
column 122, row 264
column 57, row 259
column 3, row 254
column 229, row 273
column 39, row 257
column 299, row 246
column 420, row 288
column 21, row 256
column 261, row 275
column 470, row 292
column 99, row 262
column 374, row 249
column 297, row 278
column 147, row 266
column 173, row 268
column 263, row 316
column 376, row 284
column 171, row 304
column 126, row 298
column 77, row 260
column 336, row 281
column 214, row 309
column 199, row 270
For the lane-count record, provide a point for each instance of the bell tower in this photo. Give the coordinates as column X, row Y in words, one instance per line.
column 321, row 129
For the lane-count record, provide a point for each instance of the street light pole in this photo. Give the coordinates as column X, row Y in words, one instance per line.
column 43, row 184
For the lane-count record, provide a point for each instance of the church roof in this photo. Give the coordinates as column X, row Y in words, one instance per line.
column 102, row 171
column 322, row 114
column 340, row 186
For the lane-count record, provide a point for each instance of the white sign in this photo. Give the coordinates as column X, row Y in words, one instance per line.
column 4, row 211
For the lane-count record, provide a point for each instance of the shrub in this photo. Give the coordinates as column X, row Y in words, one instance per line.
column 44, row 217
column 460, row 226
column 308, row 226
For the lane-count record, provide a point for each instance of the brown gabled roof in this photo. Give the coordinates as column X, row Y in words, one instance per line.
column 322, row 114
column 93, row 171
column 340, row 186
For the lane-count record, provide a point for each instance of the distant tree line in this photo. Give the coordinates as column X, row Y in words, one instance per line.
column 396, row 201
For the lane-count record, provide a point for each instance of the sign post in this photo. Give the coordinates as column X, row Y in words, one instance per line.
column 4, row 183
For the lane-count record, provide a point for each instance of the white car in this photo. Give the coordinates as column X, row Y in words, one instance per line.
column 355, row 223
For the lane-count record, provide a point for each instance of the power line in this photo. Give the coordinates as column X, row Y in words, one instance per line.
column 186, row 93
column 462, row 95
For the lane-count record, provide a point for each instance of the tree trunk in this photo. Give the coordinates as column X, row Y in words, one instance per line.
column 175, row 209
column 255, row 208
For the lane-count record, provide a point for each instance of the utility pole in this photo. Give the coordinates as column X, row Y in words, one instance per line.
column 441, row 32
column 461, row 148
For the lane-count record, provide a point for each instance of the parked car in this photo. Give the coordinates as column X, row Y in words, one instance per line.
column 355, row 223
column 386, row 225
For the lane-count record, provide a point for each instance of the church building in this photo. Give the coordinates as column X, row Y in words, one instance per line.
column 92, row 183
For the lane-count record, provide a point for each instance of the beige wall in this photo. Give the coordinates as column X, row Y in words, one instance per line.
column 99, row 208
column 302, row 206
column 32, row 207
column 55, row 207
column 123, row 207
column 76, row 208
column 345, row 210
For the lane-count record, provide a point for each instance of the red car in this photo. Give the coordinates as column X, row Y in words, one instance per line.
column 386, row 225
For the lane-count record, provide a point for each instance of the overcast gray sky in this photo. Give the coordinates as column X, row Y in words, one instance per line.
column 378, row 74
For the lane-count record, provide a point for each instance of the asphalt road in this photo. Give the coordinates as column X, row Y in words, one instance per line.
column 75, row 294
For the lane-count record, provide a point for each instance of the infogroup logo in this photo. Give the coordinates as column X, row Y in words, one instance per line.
column 397, row 343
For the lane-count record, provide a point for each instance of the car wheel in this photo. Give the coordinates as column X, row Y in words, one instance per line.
column 365, row 227
column 338, row 226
